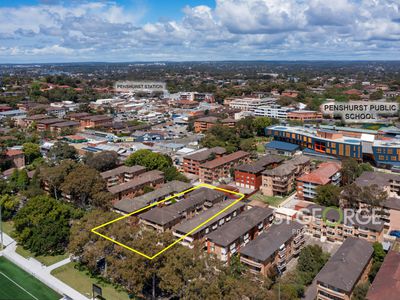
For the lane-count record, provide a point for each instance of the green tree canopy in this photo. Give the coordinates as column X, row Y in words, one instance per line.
column 328, row 195
column 61, row 151
column 103, row 161
column 31, row 152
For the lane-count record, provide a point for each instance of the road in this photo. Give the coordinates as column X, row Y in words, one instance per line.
column 38, row 270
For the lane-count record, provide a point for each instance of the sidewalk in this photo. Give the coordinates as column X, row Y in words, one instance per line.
column 39, row 270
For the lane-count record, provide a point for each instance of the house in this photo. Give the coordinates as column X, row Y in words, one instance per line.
column 344, row 270
column 386, row 284
column 249, row 175
column 231, row 237
column 135, row 186
column 222, row 167
column 281, row 180
column 126, row 206
column 58, row 112
column 95, row 121
column 273, row 248
column 326, row 173
column 204, row 124
column 121, row 174
column 281, row 148
column 333, row 225
column 192, row 162
column 163, row 218
column 17, row 158
column 198, row 236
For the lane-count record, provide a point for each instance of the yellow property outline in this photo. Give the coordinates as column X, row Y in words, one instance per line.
column 156, row 203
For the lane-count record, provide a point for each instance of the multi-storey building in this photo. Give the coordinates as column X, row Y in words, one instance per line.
column 44, row 124
column 192, row 162
column 326, row 173
column 121, row 174
column 58, row 128
column 231, row 237
column 344, row 270
column 220, row 168
column 165, row 217
column 249, row 175
column 273, row 111
column 135, row 186
column 273, row 248
column 281, row 180
column 304, row 115
column 198, row 236
column 95, row 121
column 250, row 104
column 335, row 226
column 204, row 124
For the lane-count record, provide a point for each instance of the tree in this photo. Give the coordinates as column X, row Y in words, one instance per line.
column 103, row 161
column 86, row 187
column 42, row 225
column 18, row 181
column 350, row 170
column 248, row 145
column 9, row 206
column 61, row 151
column 245, row 127
column 260, row 123
column 328, row 195
column 31, row 152
column 311, row 261
column 360, row 291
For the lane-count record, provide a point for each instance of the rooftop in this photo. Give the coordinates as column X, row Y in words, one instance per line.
column 144, row 178
column 215, row 163
column 345, row 267
column 121, row 170
column 230, row 232
column 260, row 165
column 205, row 154
column 322, row 175
column 282, row 146
column 268, row 242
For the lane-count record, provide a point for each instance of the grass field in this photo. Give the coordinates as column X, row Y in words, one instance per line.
column 46, row 260
column 82, row 282
column 16, row 284
column 271, row 200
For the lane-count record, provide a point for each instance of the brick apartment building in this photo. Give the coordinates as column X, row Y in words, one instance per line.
column 304, row 115
column 326, row 173
column 221, row 168
column 273, row 248
column 344, row 270
column 95, row 121
column 281, row 180
column 121, row 174
column 58, row 128
column 192, row 162
column 250, row 175
column 136, row 185
column 44, row 124
column 204, row 124
column 231, row 237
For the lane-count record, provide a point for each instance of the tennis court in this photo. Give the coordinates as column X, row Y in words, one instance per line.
column 16, row 284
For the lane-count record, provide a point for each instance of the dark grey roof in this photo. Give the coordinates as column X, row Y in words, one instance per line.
column 205, row 154
column 392, row 203
column 269, row 241
column 209, row 195
column 357, row 220
column 379, row 178
column 260, row 165
column 231, row 231
column 121, row 170
column 160, row 215
column 172, row 187
column 282, row 170
column 141, row 179
column 192, row 223
column 345, row 267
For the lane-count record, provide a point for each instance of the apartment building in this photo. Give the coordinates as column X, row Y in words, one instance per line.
column 204, row 124
column 220, row 168
column 59, row 128
column 326, row 173
column 126, row 206
column 386, row 284
column 121, row 174
column 192, row 162
column 334, row 226
column 165, row 217
column 273, row 111
column 231, row 237
column 198, row 236
column 250, row 175
column 281, row 180
column 135, row 186
column 273, row 248
column 250, row 104
column 305, row 116
column 30, row 120
column 44, row 124
column 344, row 270
column 95, row 121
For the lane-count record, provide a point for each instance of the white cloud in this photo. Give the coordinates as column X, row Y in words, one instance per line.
column 234, row 29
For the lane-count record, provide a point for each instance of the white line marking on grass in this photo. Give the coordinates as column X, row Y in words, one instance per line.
column 18, row 285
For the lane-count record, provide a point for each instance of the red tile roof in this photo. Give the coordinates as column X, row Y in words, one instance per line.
column 14, row 152
column 322, row 174
column 224, row 160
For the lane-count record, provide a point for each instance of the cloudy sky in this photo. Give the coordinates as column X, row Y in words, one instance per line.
column 179, row 30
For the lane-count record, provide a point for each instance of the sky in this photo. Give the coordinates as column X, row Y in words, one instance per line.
column 39, row 31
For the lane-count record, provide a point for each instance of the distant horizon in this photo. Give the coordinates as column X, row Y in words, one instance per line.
column 71, row 31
